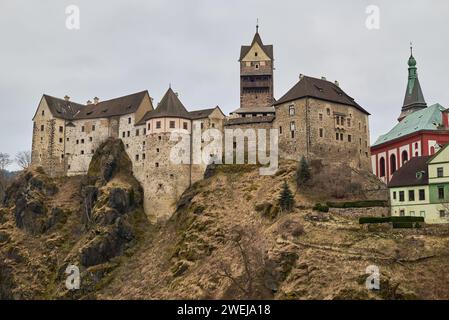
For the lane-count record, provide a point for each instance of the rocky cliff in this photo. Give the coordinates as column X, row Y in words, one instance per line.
column 227, row 239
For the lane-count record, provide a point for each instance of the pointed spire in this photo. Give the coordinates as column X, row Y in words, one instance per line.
column 414, row 98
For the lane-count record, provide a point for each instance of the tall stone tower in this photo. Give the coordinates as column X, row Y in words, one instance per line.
column 256, row 74
column 414, row 98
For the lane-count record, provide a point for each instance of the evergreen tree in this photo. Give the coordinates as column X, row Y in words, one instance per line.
column 303, row 172
column 286, row 200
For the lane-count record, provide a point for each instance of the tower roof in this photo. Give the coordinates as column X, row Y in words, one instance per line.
column 414, row 98
column 268, row 49
column 170, row 106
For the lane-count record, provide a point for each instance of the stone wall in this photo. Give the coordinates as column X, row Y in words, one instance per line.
column 316, row 125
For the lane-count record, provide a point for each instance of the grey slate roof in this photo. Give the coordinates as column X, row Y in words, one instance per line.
column 249, row 120
column 202, row 113
column 406, row 175
column 61, row 108
column 319, row 89
column 268, row 49
column 255, row 110
column 70, row 110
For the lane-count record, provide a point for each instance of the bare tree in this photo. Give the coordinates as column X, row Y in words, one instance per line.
column 23, row 159
column 5, row 161
column 246, row 274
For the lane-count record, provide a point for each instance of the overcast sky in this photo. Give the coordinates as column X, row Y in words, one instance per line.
column 127, row 46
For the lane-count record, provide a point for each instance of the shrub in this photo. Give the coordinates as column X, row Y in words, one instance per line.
column 366, row 220
column 286, row 200
column 321, row 207
column 403, row 225
column 358, row 204
column 407, row 219
column 303, row 172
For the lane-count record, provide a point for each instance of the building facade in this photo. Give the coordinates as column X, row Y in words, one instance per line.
column 421, row 131
column 421, row 188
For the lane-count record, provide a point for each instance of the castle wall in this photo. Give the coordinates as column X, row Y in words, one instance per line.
column 48, row 144
column 317, row 124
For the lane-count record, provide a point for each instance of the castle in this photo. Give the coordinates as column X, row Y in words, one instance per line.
column 315, row 119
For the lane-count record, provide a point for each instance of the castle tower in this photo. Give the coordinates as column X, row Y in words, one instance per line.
column 256, row 74
column 414, row 98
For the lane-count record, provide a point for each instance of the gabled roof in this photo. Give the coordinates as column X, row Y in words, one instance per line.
column 114, row 107
column 268, row 49
column 426, row 119
column 203, row 113
column 170, row 106
column 407, row 175
column 63, row 109
column 319, row 89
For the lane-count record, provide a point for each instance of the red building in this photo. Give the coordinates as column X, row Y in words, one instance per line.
column 421, row 131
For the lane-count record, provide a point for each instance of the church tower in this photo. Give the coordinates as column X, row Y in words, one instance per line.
column 414, row 98
column 256, row 74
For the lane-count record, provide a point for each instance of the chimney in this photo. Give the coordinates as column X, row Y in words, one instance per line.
column 96, row 100
column 88, row 102
column 445, row 119
column 337, row 83
column 301, row 76
column 323, row 78
column 66, row 98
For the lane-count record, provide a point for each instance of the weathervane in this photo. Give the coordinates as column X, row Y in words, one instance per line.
column 257, row 25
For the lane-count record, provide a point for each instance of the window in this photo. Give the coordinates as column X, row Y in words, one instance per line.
column 321, row 132
column 61, row 129
column 293, row 134
column 149, row 126
column 442, row 213
column 137, row 132
column 60, row 140
column 185, row 126
column 82, row 140
column 412, row 213
column 82, row 128
column 43, row 112
column 291, row 110
column 93, row 127
column 62, row 156
column 157, row 164
column 393, row 163
column 401, row 196
column 82, row 151
column 394, row 195
column 91, row 139
column 159, row 138
column 158, row 124
column 92, row 151
column 255, row 54
column 280, row 130
column 328, row 111
column 137, row 157
column 202, row 126
column 292, row 126
column 68, row 139
column 382, row 167
column 337, row 136
column 402, row 213
column 440, row 193
column 123, row 134
column 172, row 124
column 77, row 141
column 42, row 127
column 143, row 156
column 341, row 136
column 338, row 120
column 144, row 131
column 129, row 120
column 349, row 122
column 321, row 116
column 349, row 138
column 422, row 195
column 422, row 213
column 440, row 172
column 157, row 150
column 411, row 195
column 213, row 125
column 404, row 157
column 128, row 133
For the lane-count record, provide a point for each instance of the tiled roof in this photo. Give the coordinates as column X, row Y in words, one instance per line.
column 114, row 107
column 249, row 120
column 425, row 119
column 319, row 89
column 61, row 108
column 200, row 114
column 412, row 173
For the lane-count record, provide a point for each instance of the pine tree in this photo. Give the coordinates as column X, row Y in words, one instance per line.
column 286, row 200
column 303, row 172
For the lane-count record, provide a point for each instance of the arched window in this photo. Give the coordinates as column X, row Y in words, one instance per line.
column 393, row 163
column 432, row 150
column 404, row 157
column 382, row 167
